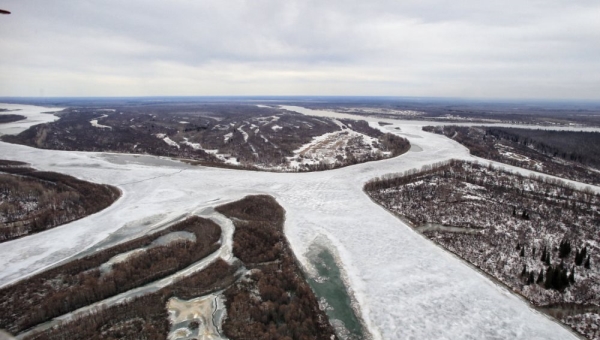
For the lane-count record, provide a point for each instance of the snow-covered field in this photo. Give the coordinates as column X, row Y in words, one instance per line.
column 405, row 286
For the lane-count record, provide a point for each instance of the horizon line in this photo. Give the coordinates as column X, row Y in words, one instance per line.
column 474, row 99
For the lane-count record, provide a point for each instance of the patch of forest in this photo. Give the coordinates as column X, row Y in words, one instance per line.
column 93, row 278
column 274, row 301
column 389, row 142
column 33, row 201
column 222, row 135
column 573, row 155
column 538, row 236
column 266, row 294
column 9, row 118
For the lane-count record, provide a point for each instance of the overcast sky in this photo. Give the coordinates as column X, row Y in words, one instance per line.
column 470, row 48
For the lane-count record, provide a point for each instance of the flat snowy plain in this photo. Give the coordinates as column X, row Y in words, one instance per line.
column 405, row 286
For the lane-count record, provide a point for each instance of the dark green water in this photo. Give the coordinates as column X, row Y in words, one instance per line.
column 329, row 285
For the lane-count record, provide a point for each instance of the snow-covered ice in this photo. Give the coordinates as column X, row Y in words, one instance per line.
column 406, row 286
column 195, row 146
column 94, row 123
column 35, row 115
column 243, row 133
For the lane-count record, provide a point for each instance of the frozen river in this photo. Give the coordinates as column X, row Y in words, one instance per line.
column 406, row 286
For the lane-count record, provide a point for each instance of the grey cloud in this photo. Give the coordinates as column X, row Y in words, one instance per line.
column 429, row 48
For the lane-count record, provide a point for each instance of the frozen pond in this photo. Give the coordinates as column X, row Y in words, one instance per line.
column 405, row 286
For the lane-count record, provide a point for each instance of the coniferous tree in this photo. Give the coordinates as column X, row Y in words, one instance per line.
column 578, row 260
column 543, row 258
column 563, row 280
column 548, row 260
column 564, row 249
column 556, row 278
column 531, row 278
column 524, row 271
column 522, row 252
column 572, row 275
column 587, row 263
column 540, row 278
column 580, row 256
column 549, row 276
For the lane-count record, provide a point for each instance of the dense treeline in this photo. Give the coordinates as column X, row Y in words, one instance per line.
column 34, row 201
column 537, row 235
column 553, row 192
column 580, row 147
column 143, row 317
column 566, row 154
column 274, row 301
column 395, row 144
column 259, row 238
column 408, row 176
column 362, row 126
column 82, row 282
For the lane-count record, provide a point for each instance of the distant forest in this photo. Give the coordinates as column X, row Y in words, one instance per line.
column 576, row 146
column 572, row 155
column 9, row 118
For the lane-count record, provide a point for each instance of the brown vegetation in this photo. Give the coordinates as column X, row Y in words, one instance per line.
column 143, row 317
column 81, row 282
column 271, row 301
column 34, row 201
column 274, row 301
